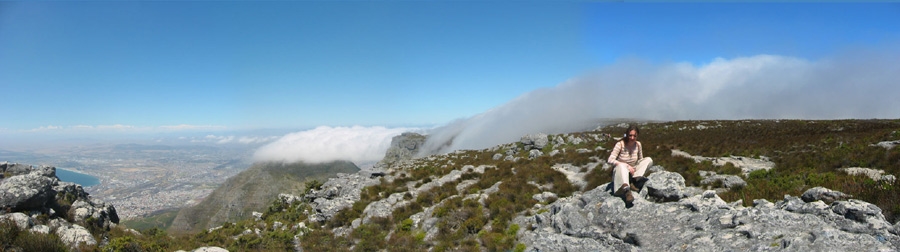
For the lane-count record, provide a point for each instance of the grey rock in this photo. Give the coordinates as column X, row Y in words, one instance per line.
column 403, row 147
column 655, row 168
column 553, row 153
column 704, row 222
column 497, row 156
column 104, row 214
column 574, row 140
column 573, row 174
column 861, row 211
column 558, row 140
column 797, row 205
column 706, row 202
column 43, row 229
column 73, row 189
column 21, row 220
column 532, row 154
column 544, row 196
column 746, row 164
column 874, row 174
column 823, row 194
column 888, row 144
column 728, row 181
column 26, row 192
column 552, row 242
column 16, row 168
column 46, row 171
column 74, row 235
column 666, row 186
column 336, row 194
column 206, row 249
column 535, row 141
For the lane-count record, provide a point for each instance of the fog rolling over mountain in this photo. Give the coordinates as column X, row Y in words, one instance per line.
column 856, row 84
column 325, row 144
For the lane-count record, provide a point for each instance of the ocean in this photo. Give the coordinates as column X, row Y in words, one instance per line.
column 78, row 178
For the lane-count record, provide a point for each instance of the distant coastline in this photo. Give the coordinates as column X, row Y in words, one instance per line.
column 77, row 177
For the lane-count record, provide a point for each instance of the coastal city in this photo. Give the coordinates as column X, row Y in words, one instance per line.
column 142, row 179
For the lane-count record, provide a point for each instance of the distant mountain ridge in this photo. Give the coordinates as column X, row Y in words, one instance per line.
column 253, row 190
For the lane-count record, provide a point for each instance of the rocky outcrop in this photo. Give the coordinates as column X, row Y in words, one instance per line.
column 26, row 192
column 386, row 206
column 727, row 181
column 31, row 191
column 597, row 221
column 97, row 211
column 207, row 249
column 337, row 194
column 403, row 147
column 874, row 174
column 74, row 235
column 888, row 144
column 746, row 164
column 535, row 141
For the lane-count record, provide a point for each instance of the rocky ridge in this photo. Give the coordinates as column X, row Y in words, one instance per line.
column 686, row 221
column 667, row 215
column 34, row 199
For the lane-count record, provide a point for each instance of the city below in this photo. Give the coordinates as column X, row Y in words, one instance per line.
column 139, row 179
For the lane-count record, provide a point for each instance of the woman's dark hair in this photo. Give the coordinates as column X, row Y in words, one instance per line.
column 630, row 128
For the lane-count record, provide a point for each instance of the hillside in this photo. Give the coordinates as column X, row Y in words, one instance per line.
column 795, row 185
column 253, row 190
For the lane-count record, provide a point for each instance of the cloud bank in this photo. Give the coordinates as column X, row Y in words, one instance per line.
column 119, row 128
column 861, row 84
column 323, row 144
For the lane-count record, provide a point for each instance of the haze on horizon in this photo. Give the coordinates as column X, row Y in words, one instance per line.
column 345, row 77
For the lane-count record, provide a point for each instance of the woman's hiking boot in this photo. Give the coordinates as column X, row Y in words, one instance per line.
column 625, row 191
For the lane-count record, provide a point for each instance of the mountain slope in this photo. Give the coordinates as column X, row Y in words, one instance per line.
column 253, row 190
column 794, row 185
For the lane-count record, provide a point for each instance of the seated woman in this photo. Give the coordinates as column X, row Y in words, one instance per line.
column 630, row 164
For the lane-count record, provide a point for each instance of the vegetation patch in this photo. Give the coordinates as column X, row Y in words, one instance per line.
column 806, row 154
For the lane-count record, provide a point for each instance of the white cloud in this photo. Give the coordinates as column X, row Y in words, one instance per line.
column 121, row 128
column 322, row 144
column 45, row 128
column 858, row 85
column 191, row 127
column 232, row 139
column 254, row 140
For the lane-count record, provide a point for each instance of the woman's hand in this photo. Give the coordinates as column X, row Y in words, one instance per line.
column 631, row 169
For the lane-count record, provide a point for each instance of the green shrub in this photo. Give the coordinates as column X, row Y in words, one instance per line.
column 13, row 238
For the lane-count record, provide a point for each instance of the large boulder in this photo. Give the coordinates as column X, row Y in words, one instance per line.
column 75, row 235
column 21, row 220
column 102, row 214
column 32, row 191
column 666, row 186
column 337, row 194
column 15, row 168
column 535, row 141
column 598, row 221
column 727, row 181
column 823, row 194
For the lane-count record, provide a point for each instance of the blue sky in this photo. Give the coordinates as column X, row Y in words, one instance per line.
column 280, row 64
